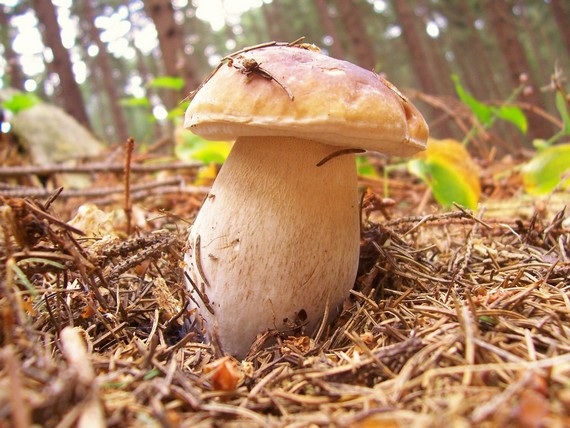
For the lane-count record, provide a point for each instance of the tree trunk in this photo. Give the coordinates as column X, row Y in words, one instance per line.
column 479, row 51
column 420, row 62
column 272, row 19
column 534, row 45
column 561, row 11
column 336, row 48
column 68, row 89
column 436, row 51
column 501, row 20
column 14, row 69
column 104, row 64
column 356, row 31
column 171, row 41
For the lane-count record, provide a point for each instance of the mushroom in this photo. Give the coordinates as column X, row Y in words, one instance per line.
column 275, row 245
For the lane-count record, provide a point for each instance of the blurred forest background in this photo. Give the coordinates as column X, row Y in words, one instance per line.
column 123, row 67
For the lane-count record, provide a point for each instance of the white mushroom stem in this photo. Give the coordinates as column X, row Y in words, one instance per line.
column 276, row 240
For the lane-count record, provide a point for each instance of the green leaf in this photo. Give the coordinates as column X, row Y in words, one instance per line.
column 167, row 82
column 135, row 102
column 21, row 101
column 546, row 169
column 175, row 113
column 23, row 279
column 488, row 320
column 40, row 260
column 483, row 112
column 487, row 114
column 365, row 168
column 514, row 115
column 193, row 147
column 151, row 374
column 562, row 107
column 540, row 144
column 446, row 167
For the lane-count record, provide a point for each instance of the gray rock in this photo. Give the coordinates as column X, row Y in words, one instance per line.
column 50, row 135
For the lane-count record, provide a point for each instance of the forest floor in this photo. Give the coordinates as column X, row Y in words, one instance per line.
column 457, row 318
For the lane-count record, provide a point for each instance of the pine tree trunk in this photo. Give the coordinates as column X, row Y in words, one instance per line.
column 14, row 69
column 420, row 62
column 272, row 19
column 68, row 90
column 356, row 31
column 104, row 64
column 501, row 21
column 561, row 11
column 534, row 44
column 436, row 53
column 478, row 51
column 336, row 48
column 171, row 41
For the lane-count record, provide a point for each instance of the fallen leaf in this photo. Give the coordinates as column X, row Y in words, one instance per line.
column 447, row 168
column 223, row 374
column 532, row 410
column 549, row 168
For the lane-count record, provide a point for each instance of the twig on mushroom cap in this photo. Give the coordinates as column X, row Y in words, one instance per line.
column 250, row 66
column 228, row 59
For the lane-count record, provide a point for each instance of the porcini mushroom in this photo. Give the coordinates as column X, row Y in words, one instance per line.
column 276, row 242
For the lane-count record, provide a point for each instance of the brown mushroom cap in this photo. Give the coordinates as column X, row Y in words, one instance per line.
column 334, row 102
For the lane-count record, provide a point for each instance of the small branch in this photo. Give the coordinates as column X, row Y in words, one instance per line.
column 18, row 403
column 128, row 203
column 228, row 59
column 171, row 185
column 201, row 295
column 75, row 353
column 39, row 212
column 18, row 171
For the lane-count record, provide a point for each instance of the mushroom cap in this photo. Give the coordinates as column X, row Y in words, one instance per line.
column 296, row 91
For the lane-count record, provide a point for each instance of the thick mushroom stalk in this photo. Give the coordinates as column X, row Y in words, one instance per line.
column 276, row 242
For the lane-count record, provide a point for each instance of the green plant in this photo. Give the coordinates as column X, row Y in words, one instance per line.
column 487, row 114
column 447, row 168
column 168, row 83
column 549, row 168
column 193, row 147
column 20, row 101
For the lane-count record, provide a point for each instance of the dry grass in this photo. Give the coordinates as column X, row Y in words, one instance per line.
column 455, row 320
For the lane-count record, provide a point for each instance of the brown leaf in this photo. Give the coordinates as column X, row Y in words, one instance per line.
column 299, row 343
column 532, row 411
column 223, row 374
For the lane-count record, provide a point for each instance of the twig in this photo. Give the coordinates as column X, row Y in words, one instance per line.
column 485, row 410
column 52, row 198
column 75, row 352
column 229, row 58
column 425, row 219
column 22, row 192
column 18, row 404
column 88, row 168
column 52, row 219
column 128, row 202
column 201, row 295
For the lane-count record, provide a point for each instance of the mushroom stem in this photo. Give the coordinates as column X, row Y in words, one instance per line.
column 276, row 240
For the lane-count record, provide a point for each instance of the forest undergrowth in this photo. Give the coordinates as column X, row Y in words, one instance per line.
column 457, row 318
